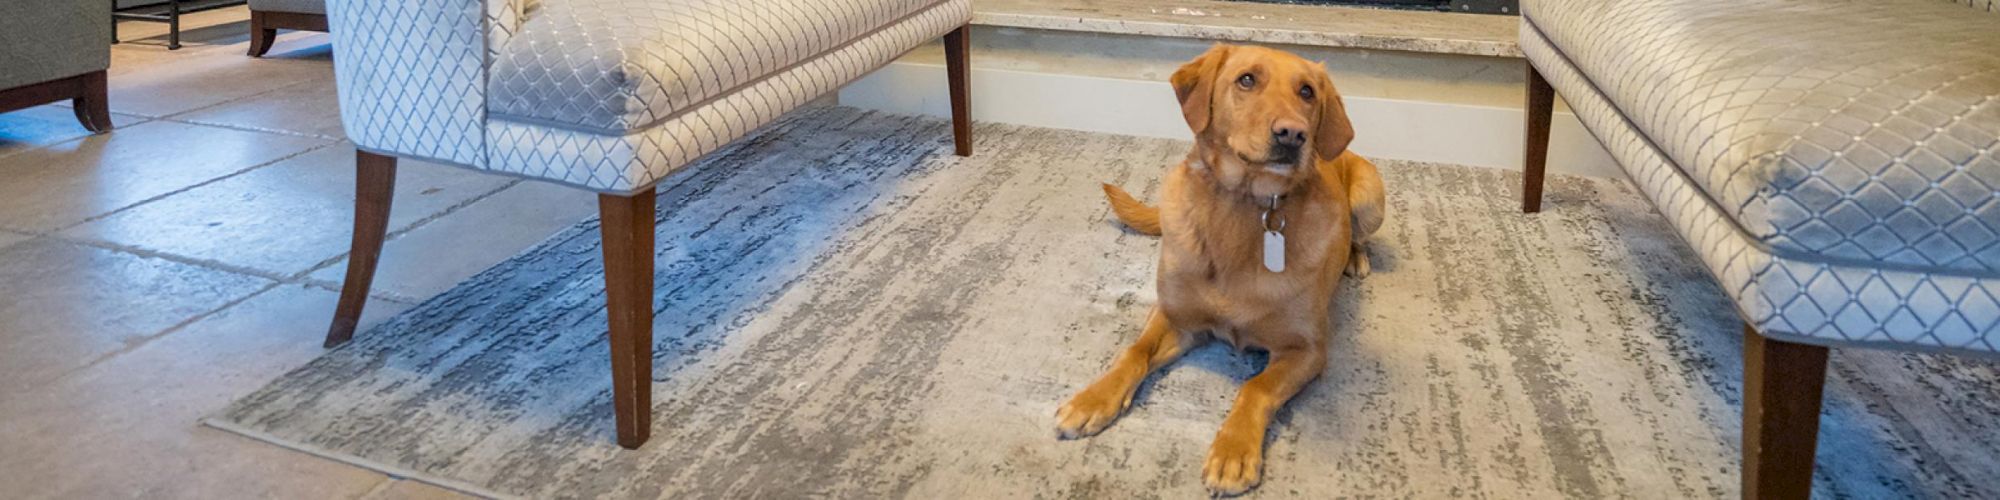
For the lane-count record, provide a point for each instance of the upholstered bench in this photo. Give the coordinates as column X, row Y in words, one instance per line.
column 1836, row 164
column 610, row 96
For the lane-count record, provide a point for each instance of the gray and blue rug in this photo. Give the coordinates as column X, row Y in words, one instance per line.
column 847, row 310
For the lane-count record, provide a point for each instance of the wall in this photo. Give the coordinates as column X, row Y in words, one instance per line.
column 1425, row 107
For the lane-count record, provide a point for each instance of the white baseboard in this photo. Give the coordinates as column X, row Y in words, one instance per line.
column 1387, row 128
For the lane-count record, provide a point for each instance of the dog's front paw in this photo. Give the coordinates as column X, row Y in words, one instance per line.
column 1235, row 464
column 1357, row 262
column 1088, row 413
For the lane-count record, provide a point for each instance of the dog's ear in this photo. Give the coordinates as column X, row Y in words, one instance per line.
column 1194, row 85
column 1334, row 132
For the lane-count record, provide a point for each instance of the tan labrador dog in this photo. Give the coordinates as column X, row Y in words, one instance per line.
column 1257, row 227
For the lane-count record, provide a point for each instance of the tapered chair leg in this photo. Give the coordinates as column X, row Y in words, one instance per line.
column 1541, row 103
column 92, row 103
column 1781, row 403
column 958, row 68
column 627, row 224
column 374, row 191
column 262, row 36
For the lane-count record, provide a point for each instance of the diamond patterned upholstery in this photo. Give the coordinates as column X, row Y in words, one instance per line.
column 632, row 161
column 606, row 95
column 1856, row 131
column 614, row 66
column 412, row 76
column 1729, row 119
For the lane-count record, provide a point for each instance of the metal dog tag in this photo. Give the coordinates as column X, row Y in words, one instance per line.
column 1274, row 251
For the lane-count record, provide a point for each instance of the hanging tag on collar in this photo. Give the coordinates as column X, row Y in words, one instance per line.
column 1274, row 251
column 1274, row 240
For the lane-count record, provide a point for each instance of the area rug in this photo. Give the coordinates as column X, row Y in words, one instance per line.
column 846, row 310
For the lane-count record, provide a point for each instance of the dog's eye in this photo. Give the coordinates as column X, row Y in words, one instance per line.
column 1246, row 81
column 1306, row 92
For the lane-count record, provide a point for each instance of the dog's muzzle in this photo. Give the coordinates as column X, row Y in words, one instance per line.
column 1282, row 157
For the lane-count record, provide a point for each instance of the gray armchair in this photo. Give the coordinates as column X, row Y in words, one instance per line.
column 269, row 16
column 52, row 50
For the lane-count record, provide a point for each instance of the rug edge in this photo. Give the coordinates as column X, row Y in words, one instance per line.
column 221, row 424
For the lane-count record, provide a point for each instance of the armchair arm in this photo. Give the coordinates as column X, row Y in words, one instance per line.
column 43, row 40
column 412, row 74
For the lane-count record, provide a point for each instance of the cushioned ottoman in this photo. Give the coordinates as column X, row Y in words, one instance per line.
column 605, row 95
column 1833, row 163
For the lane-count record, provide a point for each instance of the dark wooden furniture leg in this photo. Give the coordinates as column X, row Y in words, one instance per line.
column 957, row 64
column 87, row 94
column 1541, row 103
column 262, row 35
column 374, row 190
column 93, row 102
column 627, row 223
column 264, row 27
column 1781, row 403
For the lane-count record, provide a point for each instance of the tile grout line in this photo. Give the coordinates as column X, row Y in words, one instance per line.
column 135, row 344
column 387, row 482
column 239, row 128
column 419, row 223
column 180, row 116
column 298, row 278
column 302, row 278
column 142, row 120
column 175, row 258
column 258, row 60
column 175, row 115
column 163, row 196
column 216, row 266
column 382, row 295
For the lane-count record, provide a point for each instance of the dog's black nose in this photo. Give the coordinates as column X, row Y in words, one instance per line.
column 1288, row 136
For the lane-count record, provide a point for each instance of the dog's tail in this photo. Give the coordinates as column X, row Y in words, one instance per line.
column 1132, row 212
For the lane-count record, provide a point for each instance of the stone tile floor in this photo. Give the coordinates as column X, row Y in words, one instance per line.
column 155, row 273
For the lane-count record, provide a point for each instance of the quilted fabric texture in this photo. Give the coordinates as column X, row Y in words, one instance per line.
column 412, row 76
column 624, row 163
column 615, row 66
column 1857, row 132
column 417, row 77
column 1799, row 300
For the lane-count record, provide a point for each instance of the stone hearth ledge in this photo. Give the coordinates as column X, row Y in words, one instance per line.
column 1360, row 28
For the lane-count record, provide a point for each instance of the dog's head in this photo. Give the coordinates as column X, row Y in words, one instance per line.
column 1261, row 116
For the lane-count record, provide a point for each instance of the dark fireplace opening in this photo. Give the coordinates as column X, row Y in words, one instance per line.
column 1507, row 7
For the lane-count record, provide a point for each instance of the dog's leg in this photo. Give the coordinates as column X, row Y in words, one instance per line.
column 1368, row 202
column 1093, row 409
column 1236, row 459
column 1357, row 260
